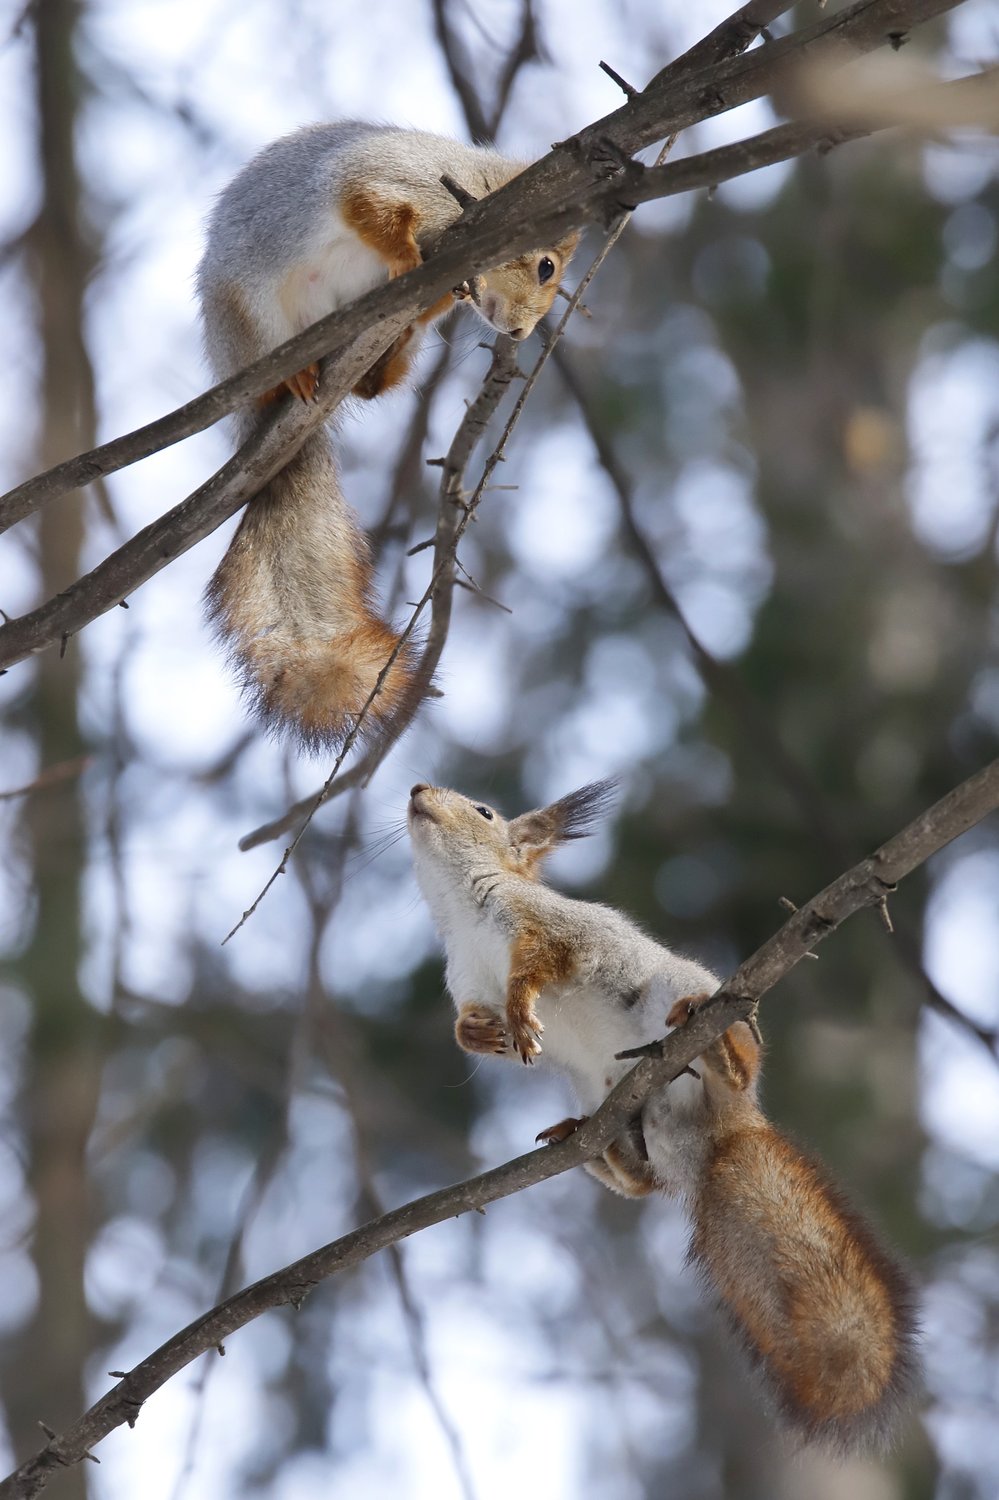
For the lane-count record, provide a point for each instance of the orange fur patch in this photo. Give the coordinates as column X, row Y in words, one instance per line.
column 389, row 369
column 323, row 685
column 536, row 960
column 439, row 310
column 304, row 384
column 387, row 226
column 736, row 1055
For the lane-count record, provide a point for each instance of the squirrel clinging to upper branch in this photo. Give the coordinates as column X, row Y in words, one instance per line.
column 821, row 1309
column 311, row 223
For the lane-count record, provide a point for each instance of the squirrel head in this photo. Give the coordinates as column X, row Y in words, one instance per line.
column 455, row 838
column 514, row 297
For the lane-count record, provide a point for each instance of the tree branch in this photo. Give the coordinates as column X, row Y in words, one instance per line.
column 460, row 73
column 301, row 812
column 866, row 884
column 561, row 191
column 282, row 433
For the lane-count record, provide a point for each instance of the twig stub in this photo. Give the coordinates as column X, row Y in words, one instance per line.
column 628, row 89
column 461, row 195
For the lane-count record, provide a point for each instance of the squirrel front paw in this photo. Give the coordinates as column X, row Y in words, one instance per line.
column 304, row 384
column 527, row 1032
column 684, row 1008
column 481, row 1030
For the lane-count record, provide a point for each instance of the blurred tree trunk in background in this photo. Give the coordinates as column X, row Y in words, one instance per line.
column 45, row 1381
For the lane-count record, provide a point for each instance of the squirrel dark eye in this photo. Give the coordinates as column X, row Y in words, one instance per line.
column 546, row 269
column 485, row 813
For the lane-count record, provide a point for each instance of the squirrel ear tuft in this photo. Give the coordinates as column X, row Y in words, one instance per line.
column 571, row 817
column 577, row 812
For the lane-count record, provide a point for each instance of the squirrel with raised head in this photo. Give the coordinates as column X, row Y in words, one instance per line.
column 311, row 223
column 824, row 1313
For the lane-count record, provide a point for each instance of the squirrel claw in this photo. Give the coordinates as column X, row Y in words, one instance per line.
column 527, row 1040
column 560, row 1131
column 684, row 1008
column 304, row 383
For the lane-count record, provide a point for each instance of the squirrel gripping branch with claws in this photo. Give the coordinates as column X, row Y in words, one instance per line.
column 311, row 223
column 823, row 1312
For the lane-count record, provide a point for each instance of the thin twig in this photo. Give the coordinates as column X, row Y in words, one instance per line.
column 64, row 770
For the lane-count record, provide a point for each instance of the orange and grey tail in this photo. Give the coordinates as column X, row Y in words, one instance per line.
column 822, row 1310
column 291, row 598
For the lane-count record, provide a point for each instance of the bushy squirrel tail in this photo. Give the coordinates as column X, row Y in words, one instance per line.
column 292, row 601
column 822, row 1310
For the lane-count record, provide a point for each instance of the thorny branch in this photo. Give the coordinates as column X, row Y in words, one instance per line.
column 865, row 885
column 728, row 40
column 454, row 513
column 589, row 176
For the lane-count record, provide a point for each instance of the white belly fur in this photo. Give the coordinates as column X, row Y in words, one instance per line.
column 583, row 1031
column 336, row 268
column 583, row 1026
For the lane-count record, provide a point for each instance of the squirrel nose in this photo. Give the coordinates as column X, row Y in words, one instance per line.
column 421, row 786
column 517, row 333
